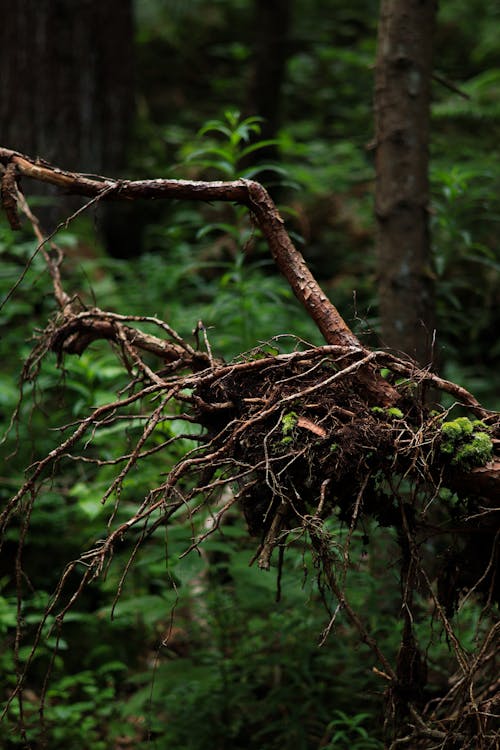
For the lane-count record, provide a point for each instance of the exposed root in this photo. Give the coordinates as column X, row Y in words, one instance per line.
column 298, row 440
column 294, row 440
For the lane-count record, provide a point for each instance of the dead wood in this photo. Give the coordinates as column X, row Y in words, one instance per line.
column 300, row 438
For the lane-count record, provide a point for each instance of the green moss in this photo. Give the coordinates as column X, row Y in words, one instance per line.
column 477, row 424
column 387, row 412
column 288, row 422
column 457, row 430
column 466, row 443
column 395, row 413
column 476, row 453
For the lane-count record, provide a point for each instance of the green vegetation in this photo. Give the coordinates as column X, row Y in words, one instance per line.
column 391, row 411
column 466, row 442
column 288, row 423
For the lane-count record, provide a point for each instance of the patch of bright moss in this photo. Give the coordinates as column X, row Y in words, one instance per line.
column 466, row 442
column 476, row 453
column 288, row 422
column 395, row 413
column 392, row 411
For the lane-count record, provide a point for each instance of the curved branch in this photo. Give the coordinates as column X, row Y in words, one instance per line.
column 247, row 192
column 79, row 330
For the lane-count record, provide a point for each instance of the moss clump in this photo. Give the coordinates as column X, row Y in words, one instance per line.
column 476, row 453
column 395, row 413
column 392, row 412
column 288, row 423
column 466, row 443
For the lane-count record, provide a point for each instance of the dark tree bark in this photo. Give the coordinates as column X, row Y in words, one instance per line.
column 67, row 80
column 272, row 19
column 402, row 104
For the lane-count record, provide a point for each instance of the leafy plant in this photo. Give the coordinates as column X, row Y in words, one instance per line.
column 230, row 145
column 348, row 731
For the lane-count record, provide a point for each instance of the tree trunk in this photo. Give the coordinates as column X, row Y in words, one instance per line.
column 67, row 80
column 272, row 19
column 402, row 105
column 67, row 84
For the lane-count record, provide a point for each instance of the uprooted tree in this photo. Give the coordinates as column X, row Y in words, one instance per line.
column 291, row 439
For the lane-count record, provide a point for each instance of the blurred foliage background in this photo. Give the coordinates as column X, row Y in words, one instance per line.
column 198, row 653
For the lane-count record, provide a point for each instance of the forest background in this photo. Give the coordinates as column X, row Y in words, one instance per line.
column 198, row 653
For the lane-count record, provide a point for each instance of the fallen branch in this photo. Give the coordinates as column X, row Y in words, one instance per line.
column 293, row 439
column 246, row 192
